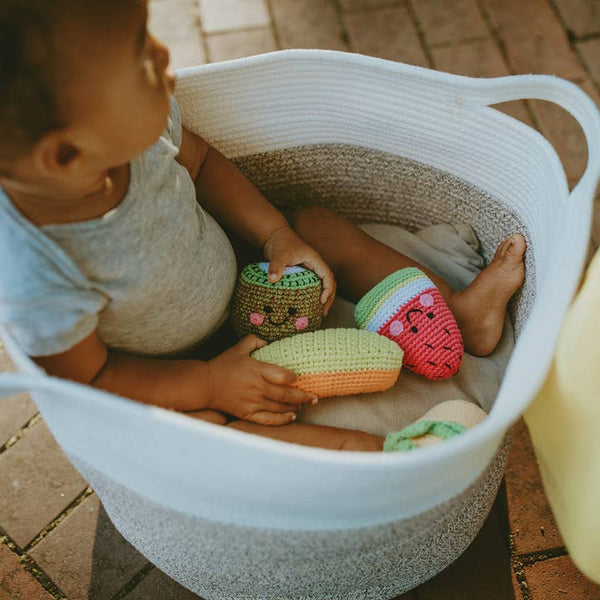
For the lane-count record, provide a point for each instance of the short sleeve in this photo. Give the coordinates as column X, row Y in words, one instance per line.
column 52, row 324
column 46, row 303
column 173, row 131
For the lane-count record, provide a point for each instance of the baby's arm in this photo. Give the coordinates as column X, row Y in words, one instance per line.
column 226, row 193
column 232, row 382
column 234, row 201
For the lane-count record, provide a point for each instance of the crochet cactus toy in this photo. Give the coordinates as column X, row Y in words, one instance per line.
column 336, row 362
column 407, row 307
column 276, row 310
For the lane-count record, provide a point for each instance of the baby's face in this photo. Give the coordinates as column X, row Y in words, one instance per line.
column 117, row 94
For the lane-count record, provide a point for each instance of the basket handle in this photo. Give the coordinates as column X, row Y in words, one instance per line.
column 553, row 89
column 15, row 383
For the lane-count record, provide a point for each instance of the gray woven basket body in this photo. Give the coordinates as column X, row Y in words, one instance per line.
column 221, row 561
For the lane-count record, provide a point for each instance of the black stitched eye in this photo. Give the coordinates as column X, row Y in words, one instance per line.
column 268, row 309
column 414, row 329
column 292, row 311
column 430, row 315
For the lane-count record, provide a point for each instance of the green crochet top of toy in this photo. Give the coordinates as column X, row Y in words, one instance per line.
column 402, row 440
column 296, row 278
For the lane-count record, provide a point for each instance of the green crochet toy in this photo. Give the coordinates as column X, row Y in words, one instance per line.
column 442, row 422
column 273, row 311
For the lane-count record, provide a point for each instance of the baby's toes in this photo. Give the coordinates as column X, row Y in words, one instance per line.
column 510, row 267
column 501, row 249
column 510, row 252
column 516, row 247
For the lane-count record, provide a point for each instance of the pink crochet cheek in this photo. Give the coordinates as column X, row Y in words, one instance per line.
column 256, row 319
column 396, row 328
column 426, row 300
column 301, row 323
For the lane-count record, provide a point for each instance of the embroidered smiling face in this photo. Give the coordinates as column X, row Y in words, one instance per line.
column 407, row 308
column 429, row 335
column 274, row 311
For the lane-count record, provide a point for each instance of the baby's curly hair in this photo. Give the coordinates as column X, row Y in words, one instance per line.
column 28, row 107
column 29, row 38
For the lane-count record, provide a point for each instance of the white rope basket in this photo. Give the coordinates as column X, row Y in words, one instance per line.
column 210, row 505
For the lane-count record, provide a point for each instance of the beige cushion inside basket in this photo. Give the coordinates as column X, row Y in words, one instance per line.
column 451, row 251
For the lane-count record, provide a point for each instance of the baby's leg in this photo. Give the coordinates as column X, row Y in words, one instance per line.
column 360, row 262
column 212, row 416
column 320, row 436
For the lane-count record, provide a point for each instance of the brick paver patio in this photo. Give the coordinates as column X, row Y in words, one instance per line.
column 57, row 541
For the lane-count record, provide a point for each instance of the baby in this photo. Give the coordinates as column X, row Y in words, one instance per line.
column 112, row 215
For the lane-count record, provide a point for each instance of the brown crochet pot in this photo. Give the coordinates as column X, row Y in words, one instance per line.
column 273, row 311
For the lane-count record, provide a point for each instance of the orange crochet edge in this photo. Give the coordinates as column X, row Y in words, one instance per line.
column 346, row 382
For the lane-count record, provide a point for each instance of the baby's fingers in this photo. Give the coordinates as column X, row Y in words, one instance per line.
column 288, row 395
column 269, row 418
column 276, row 269
column 330, row 298
column 249, row 344
column 276, row 374
column 327, row 277
column 328, row 294
column 267, row 404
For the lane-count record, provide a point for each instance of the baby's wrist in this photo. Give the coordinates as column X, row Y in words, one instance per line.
column 273, row 233
column 196, row 393
column 210, row 387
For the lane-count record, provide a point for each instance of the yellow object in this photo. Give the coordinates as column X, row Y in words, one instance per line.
column 564, row 422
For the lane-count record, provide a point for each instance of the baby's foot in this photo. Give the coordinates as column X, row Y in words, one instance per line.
column 480, row 308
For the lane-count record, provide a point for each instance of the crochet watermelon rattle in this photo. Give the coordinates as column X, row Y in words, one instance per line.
column 407, row 307
column 276, row 310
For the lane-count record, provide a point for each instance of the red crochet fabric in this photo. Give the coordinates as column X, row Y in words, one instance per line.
column 407, row 308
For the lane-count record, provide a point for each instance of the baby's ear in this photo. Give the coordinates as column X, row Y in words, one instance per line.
column 57, row 155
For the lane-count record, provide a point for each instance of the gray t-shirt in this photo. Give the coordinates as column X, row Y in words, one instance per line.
column 155, row 275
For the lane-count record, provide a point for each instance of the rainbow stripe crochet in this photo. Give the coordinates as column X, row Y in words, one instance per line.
column 407, row 308
column 336, row 362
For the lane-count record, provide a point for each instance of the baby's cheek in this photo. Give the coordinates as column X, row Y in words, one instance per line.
column 256, row 319
column 301, row 323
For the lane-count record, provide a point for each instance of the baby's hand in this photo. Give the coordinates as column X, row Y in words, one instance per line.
column 251, row 389
column 284, row 248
